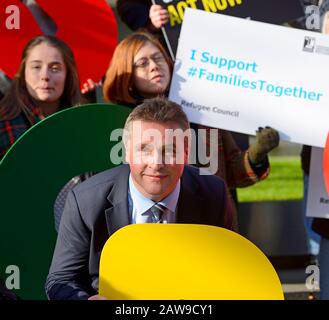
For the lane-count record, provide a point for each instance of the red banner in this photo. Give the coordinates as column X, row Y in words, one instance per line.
column 87, row 26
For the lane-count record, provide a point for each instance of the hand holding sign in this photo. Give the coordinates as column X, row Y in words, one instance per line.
column 159, row 16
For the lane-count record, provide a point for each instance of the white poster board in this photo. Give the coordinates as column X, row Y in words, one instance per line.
column 238, row 75
column 317, row 197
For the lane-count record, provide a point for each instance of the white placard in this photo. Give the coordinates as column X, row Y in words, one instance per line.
column 238, row 75
column 317, row 196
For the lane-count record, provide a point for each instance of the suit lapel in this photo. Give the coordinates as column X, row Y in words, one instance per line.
column 117, row 216
column 190, row 205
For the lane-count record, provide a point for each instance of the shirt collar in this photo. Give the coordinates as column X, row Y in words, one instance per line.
column 143, row 204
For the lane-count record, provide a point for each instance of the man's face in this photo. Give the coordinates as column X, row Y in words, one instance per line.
column 155, row 157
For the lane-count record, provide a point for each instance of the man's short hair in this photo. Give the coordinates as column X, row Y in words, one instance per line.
column 159, row 110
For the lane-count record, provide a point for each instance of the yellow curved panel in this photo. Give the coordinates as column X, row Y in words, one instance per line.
column 184, row 261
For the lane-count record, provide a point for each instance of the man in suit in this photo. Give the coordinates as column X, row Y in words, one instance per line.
column 157, row 186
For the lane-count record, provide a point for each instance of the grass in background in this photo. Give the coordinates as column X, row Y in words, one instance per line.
column 285, row 182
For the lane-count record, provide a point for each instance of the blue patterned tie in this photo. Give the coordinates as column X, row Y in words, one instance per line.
column 158, row 212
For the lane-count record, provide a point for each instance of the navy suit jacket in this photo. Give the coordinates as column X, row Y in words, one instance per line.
column 98, row 207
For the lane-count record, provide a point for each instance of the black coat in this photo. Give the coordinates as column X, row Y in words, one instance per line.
column 134, row 13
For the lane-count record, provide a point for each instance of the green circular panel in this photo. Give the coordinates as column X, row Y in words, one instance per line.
column 66, row 144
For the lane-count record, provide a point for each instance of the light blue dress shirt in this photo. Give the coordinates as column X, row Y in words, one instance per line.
column 139, row 205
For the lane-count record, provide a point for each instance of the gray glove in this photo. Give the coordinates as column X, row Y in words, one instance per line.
column 266, row 140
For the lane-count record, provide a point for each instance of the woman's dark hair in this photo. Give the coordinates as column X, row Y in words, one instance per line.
column 16, row 99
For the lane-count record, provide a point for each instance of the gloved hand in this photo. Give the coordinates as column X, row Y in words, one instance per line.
column 266, row 140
